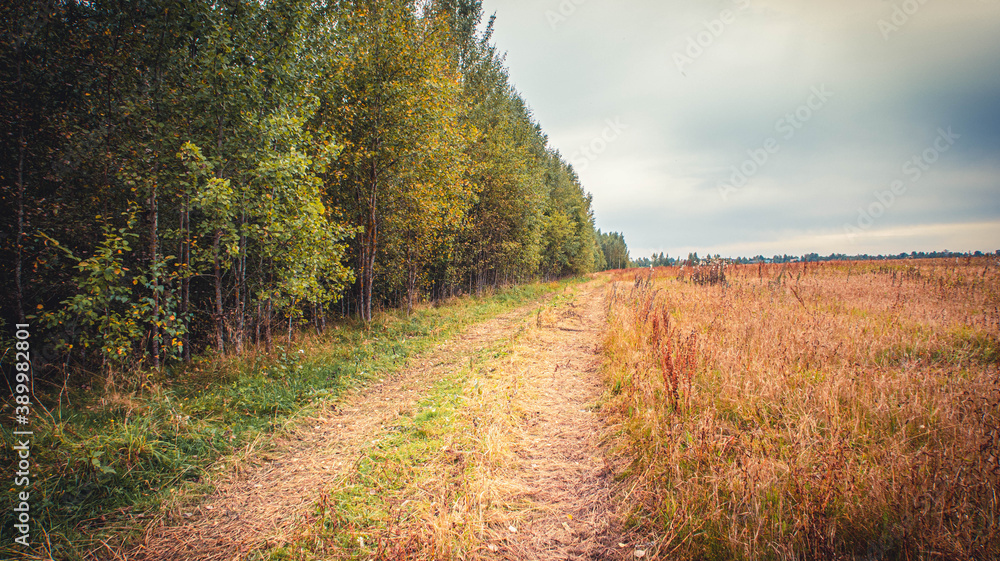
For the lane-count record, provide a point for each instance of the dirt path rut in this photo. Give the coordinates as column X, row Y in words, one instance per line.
column 565, row 486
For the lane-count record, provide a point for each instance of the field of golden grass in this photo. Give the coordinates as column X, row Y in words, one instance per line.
column 808, row 411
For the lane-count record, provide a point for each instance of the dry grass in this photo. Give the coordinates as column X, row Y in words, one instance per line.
column 539, row 482
column 272, row 501
column 499, row 461
column 820, row 411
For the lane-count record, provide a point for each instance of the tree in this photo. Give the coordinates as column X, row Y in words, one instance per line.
column 121, row 89
column 503, row 240
column 616, row 254
column 393, row 109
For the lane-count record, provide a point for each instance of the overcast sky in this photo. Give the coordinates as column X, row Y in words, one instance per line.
column 747, row 127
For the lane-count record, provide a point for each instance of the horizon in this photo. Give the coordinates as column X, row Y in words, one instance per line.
column 941, row 254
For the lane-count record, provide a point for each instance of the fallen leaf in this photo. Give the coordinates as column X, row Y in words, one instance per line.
column 512, row 529
column 639, row 554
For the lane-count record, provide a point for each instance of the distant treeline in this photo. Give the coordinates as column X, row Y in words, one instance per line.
column 663, row 260
column 614, row 250
column 815, row 257
column 184, row 174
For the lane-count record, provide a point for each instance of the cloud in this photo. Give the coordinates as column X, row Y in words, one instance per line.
column 751, row 67
column 890, row 241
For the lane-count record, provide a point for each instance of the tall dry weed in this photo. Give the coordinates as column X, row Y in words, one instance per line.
column 820, row 411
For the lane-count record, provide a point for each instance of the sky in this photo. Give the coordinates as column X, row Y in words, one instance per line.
column 746, row 127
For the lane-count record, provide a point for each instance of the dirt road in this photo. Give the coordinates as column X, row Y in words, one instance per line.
column 558, row 489
column 565, row 511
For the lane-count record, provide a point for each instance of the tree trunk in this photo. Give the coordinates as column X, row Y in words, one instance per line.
column 154, row 251
column 411, row 280
column 363, row 287
column 217, row 270
column 185, row 258
column 267, row 325
column 216, row 239
column 241, row 295
column 19, row 240
column 369, row 245
column 372, row 242
column 259, row 314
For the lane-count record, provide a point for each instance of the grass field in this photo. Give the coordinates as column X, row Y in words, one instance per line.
column 809, row 411
column 107, row 460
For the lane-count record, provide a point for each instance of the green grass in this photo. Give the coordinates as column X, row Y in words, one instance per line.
column 395, row 501
column 353, row 516
column 110, row 457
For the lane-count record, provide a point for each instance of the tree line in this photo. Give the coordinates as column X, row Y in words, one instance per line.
column 614, row 250
column 663, row 260
column 180, row 175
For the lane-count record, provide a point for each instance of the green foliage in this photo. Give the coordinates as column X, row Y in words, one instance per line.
column 290, row 223
column 568, row 232
column 530, row 216
column 110, row 314
column 189, row 174
column 193, row 117
column 615, row 250
column 395, row 106
column 261, row 149
column 657, row 260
